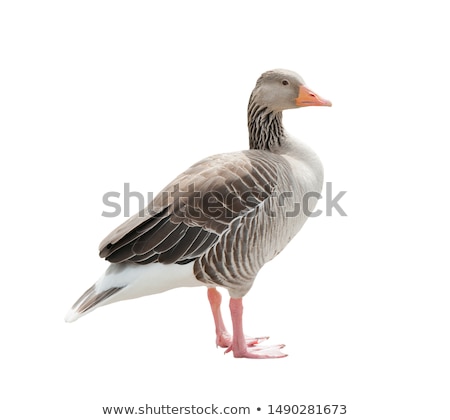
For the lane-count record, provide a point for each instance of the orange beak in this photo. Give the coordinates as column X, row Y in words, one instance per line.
column 307, row 97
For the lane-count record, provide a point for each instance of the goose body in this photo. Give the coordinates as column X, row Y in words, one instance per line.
column 221, row 220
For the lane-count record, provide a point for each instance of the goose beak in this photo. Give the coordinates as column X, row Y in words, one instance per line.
column 306, row 97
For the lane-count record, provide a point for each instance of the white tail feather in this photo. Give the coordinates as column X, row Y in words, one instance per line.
column 129, row 281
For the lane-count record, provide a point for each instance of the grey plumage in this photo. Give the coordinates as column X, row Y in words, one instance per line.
column 223, row 218
column 224, row 212
column 242, row 190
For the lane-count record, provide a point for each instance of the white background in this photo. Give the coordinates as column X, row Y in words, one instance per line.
column 97, row 93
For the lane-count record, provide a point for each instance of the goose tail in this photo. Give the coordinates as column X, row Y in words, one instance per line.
column 129, row 281
column 89, row 301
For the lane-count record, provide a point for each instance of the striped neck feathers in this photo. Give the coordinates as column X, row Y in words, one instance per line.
column 265, row 127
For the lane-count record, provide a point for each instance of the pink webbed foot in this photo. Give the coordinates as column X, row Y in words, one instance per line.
column 255, row 352
column 239, row 345
column 223, row 338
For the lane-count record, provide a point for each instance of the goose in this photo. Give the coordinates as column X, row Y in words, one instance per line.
column 221, row 220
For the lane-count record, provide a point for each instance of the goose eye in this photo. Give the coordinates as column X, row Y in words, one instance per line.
column 285, row 82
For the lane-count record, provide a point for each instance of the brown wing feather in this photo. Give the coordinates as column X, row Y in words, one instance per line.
column 188, row 217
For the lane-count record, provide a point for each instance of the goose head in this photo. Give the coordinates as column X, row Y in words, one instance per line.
column 277, row 90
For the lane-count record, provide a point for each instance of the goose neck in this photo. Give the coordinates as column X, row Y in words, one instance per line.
column 265, row 127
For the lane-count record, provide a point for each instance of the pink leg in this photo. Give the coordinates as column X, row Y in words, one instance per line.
column 223, row 338
column 239, row 344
